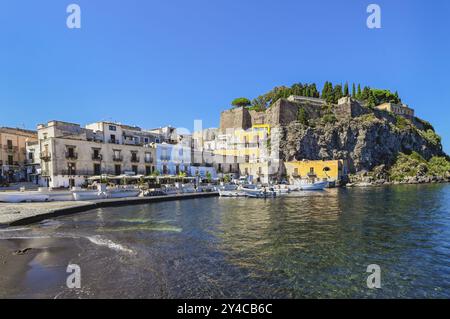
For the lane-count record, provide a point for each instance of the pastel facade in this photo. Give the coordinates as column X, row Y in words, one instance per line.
column 172, row 159
column 331, row 170
column 13, row 155
column 397, row 109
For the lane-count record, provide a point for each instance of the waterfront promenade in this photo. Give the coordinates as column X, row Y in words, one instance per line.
column 29, row 213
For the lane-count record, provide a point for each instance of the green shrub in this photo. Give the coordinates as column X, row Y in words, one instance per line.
column 407, row 166
column 431, row 137
column 439, row 166
column 329, row 118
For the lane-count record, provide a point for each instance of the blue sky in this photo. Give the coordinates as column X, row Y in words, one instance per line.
column 153, row 63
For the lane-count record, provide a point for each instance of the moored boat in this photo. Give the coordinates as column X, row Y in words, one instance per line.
column 310, row 185
column 23, row 197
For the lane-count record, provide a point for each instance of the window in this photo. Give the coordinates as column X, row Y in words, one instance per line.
column 113, row 138
column 112, row 128
column 117, row 170
column 146, row 140
column 10, row 145
column 311, row 170
column 70, row 152
column 97, row 170
column 71, row 169
column 148, row 170
column 134, row 168
column 10, row 160
column 31, row 156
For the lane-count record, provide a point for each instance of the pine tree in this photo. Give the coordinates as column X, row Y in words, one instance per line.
column 337, row 93
column 372, row 101
column 346, row 92
column 358, row 95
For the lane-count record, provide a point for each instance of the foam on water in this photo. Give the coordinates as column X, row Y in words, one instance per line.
column 101, row 241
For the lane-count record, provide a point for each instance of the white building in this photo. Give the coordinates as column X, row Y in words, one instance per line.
column 69, row 154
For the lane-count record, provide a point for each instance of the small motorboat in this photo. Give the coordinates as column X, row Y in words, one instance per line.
column 230, row 190
column 254, row 192
column 281, row 190
column 310, row 185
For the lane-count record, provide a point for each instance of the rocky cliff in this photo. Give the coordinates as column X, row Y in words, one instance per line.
column 367, row 141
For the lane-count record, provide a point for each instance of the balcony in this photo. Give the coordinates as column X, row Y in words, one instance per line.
column 97, row 157
column 113, row 142
column 45, row 156
column 135, row 159
column 148, row 159
column 12, row 149
column 71, row 156
column 117, row 158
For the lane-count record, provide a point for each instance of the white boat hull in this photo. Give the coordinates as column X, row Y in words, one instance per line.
column 123, row 193
column 87, row 195
column 313, row 186
column 23, row 197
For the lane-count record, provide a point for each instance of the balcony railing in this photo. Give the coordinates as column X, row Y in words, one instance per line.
column 12, row 149
column 45, row 156
column 135, row 159
column 71, row 156
column 148, row 159
column 117, row 158
column 97, row 157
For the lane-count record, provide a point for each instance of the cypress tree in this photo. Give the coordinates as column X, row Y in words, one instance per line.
column 358, row 95
column 354, row 91
column 346, row 92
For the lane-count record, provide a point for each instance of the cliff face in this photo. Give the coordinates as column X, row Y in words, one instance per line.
column 366, row 141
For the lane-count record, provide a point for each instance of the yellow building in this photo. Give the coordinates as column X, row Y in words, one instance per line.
column 402, row 110
column 13, row 153
column 248, row 146
column 331, row 170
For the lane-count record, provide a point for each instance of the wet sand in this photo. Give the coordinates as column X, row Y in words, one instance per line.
column 41, row 269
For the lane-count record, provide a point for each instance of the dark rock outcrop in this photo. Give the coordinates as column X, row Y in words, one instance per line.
column 365, row 142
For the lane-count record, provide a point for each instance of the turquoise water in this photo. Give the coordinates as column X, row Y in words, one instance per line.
column 314, row 245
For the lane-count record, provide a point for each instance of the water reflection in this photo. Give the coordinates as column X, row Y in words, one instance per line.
column 306, row 246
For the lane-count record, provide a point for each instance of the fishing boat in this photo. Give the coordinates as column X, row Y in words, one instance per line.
column 23, row 197
column 84, row 194
column 230, row 190
column 56, row 195
column 255, row 192
column 122, row 193
column 281, row 190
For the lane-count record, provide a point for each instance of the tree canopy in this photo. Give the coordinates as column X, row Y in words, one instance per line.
column 330, row 93
column 241, row 102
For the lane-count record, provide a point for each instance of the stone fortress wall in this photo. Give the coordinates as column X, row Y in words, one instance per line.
column 285, row 111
